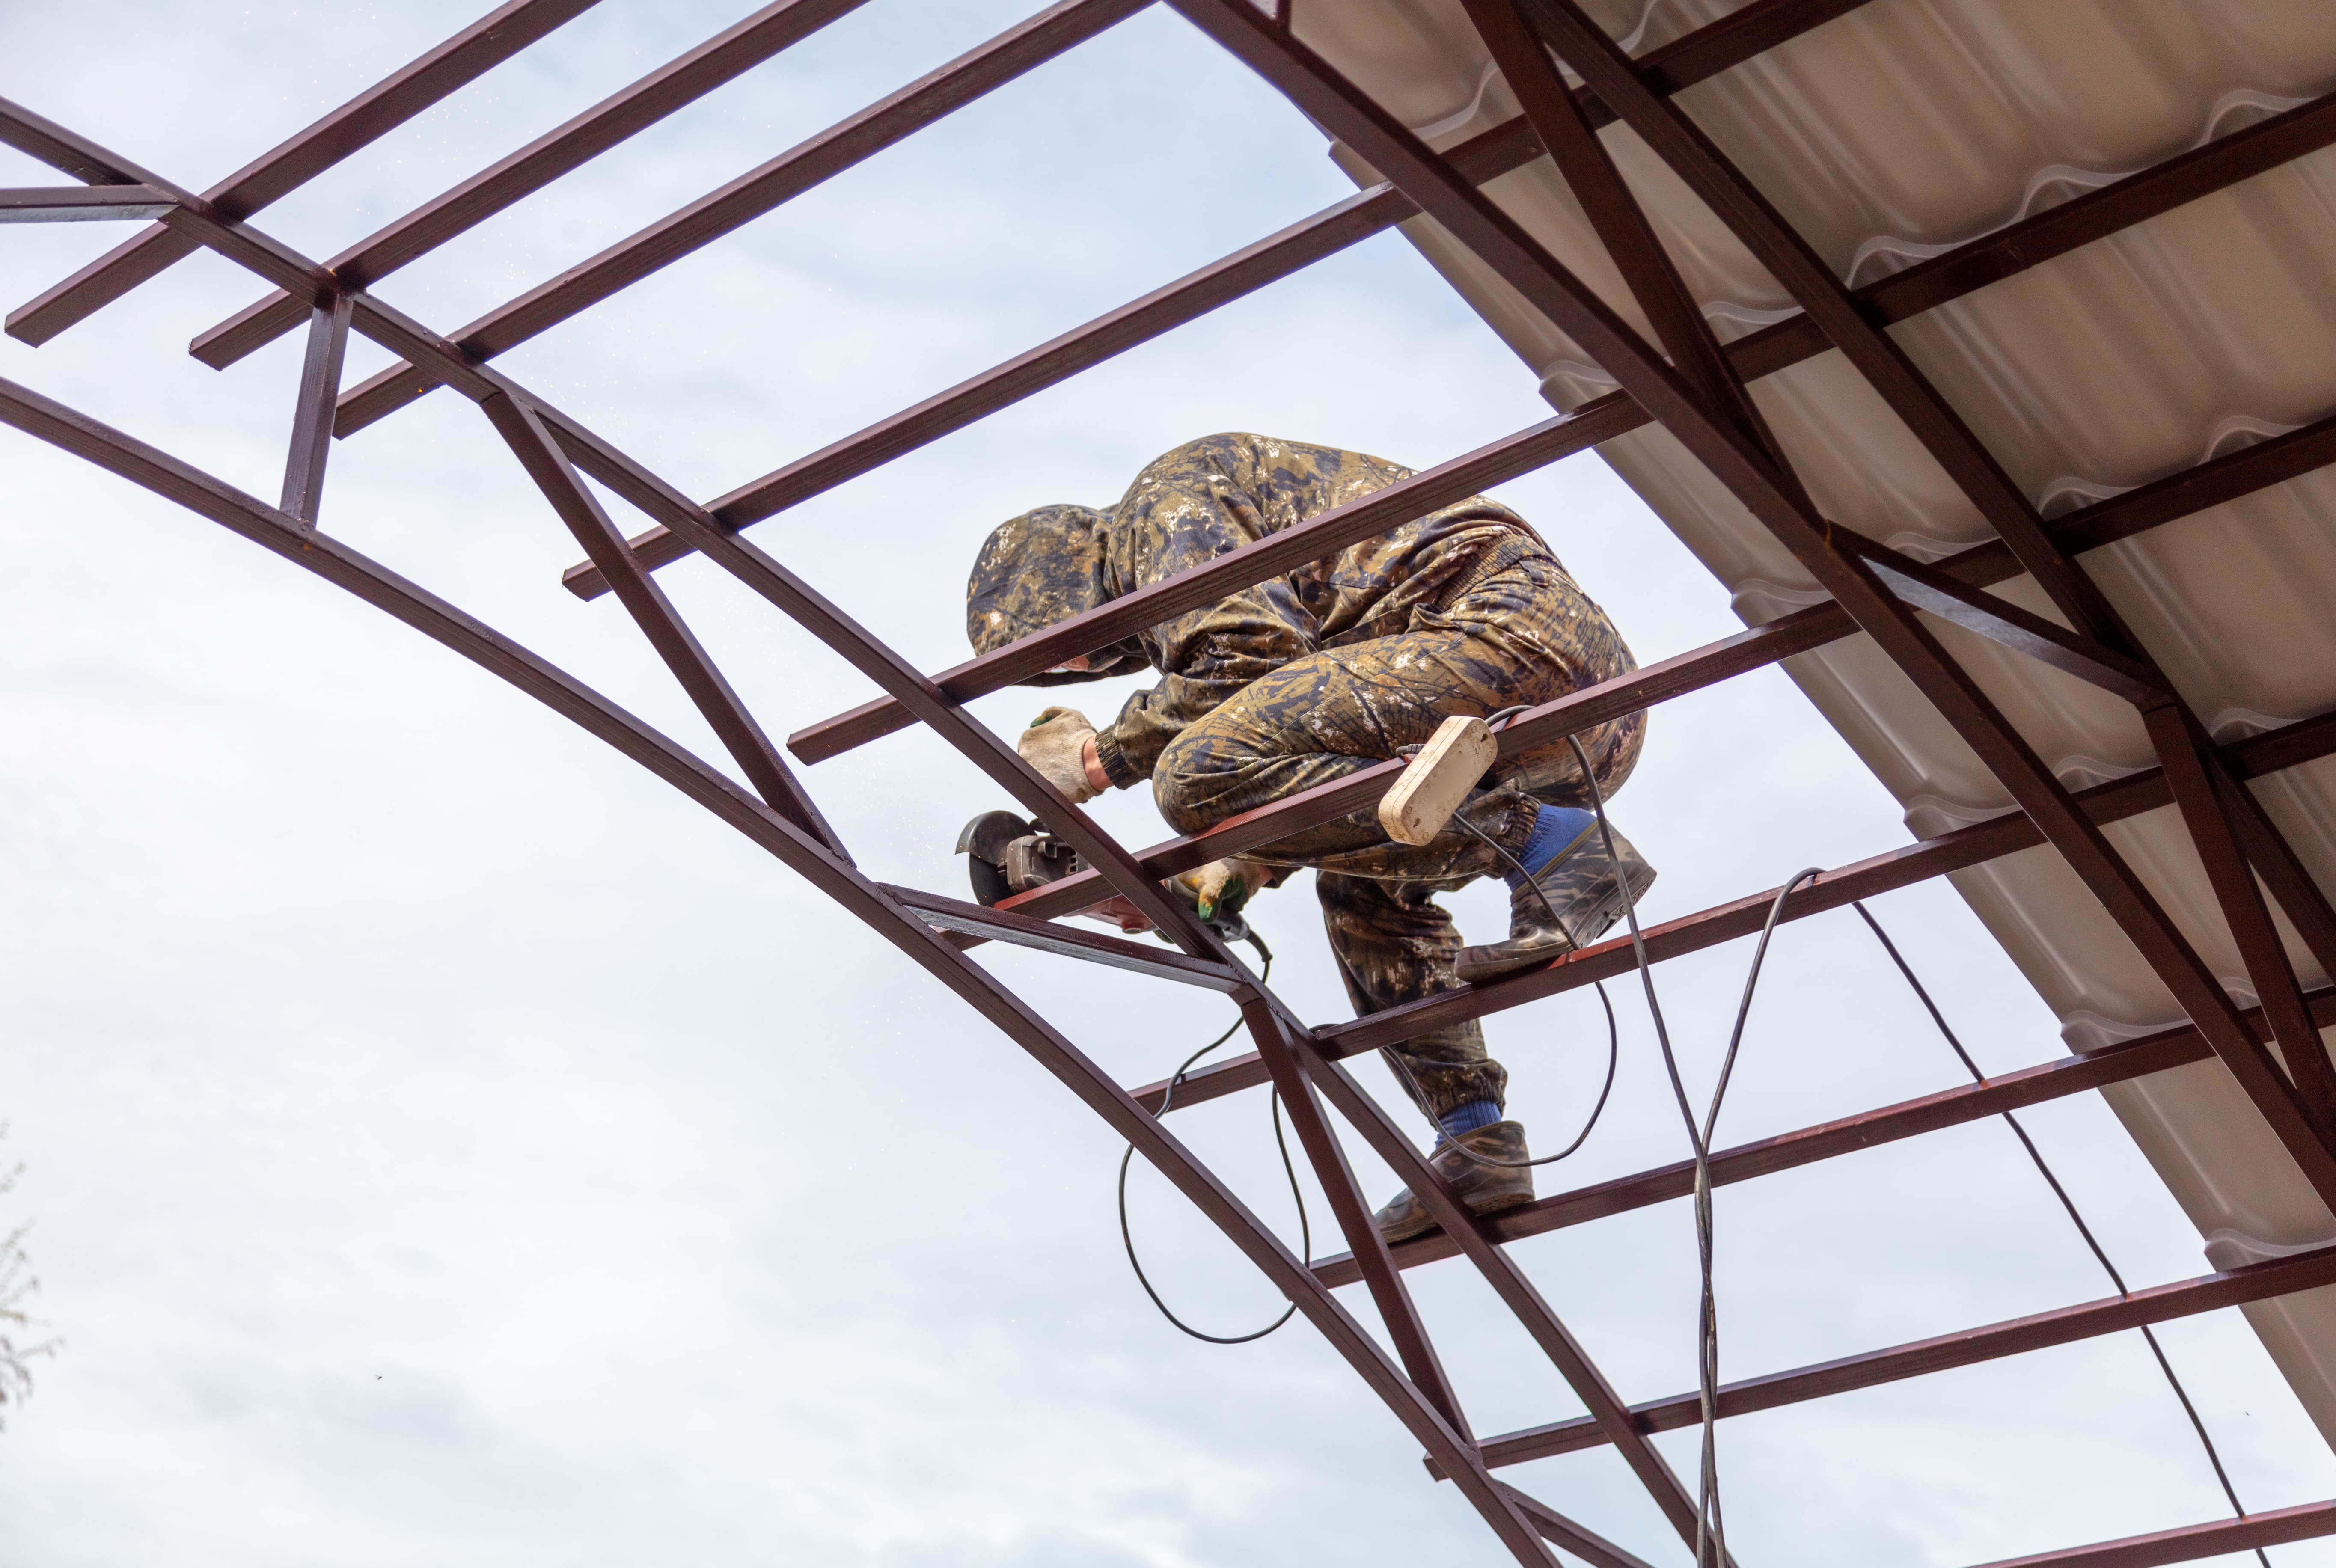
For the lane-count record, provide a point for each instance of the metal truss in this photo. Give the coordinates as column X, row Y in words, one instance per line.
column 1685, row 380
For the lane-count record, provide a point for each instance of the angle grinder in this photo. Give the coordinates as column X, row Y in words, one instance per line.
column 1007, row 854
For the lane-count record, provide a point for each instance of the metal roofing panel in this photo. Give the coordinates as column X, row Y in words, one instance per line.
column 1887, row 137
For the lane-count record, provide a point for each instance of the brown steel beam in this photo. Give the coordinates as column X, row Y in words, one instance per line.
column 1566, row 1534
column 311, row 415
column 717, row 702
column 362, row 120
column 1588, row 170
column 2197, row 489
column 2001, row 621
column 1965, row 1102
column 1770, row 495
column 2285, row 874
column 2253, row 1532
column 1552, row 722
column 327, row 557
column 1277, row 552
column 2264, row 1281
column 818, row 615
column 676, row 83
column 1829, row 306
column 1398, row 1314
column 2211, row 484
column 1014, row 52
column 2191, row 774
column 1680, row 64
column 1278, row 255
column 2304, row 1116
column 2040, row 237
column 947, row 914
column 80, row 203
column 2007, row 835
column 1508, row 1282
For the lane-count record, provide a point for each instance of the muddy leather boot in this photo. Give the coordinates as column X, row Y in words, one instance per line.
column 1583, row 883
column 1485, row 1189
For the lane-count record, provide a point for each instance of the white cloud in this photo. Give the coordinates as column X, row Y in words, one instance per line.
column 445, row 1144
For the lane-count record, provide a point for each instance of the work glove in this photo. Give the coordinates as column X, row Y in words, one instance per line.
column 1220, row 888
column 1055, row 744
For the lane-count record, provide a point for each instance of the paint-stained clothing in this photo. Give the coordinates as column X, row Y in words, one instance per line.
column 1324, row 670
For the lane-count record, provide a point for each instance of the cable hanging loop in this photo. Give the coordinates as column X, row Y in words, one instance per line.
column 1289, row 1169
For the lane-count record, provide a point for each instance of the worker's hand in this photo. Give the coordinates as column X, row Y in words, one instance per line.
column 1221, row 887
column 1056, row 745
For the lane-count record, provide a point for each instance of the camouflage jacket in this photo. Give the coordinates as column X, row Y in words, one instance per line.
column 1199, row 502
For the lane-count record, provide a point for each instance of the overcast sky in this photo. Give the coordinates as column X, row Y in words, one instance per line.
column 446, row 1144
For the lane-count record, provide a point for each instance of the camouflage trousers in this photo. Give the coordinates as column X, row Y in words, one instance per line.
column 1515, row 631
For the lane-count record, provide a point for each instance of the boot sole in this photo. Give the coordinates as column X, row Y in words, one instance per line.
column 1497, row 959
column 1500, row 1205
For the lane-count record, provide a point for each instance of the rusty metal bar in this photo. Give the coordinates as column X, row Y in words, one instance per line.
column 2275, row 1527
column 1014, row 52
column 311, row 415
column 2262, row 1281
column 80, row 203
column 720, row 705
column 362, row 120
column 1331, row 530
column 678, row 83
column 165, row 476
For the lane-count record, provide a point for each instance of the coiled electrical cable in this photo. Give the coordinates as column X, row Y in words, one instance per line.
column 1305, row 1234
column 2084, row 1230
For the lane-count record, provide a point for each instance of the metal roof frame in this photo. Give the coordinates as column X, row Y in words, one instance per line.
column 1686, row 380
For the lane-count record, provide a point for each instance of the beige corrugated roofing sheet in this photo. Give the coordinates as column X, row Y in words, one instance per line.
column 1886, row 136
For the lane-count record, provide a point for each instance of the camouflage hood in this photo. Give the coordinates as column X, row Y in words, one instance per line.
column 1038, row 569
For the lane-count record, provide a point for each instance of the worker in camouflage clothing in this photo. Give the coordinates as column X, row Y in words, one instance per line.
column 1317, row 673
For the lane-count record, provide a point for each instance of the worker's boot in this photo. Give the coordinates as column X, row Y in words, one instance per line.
column 1581, row 886
column 1485, row 1189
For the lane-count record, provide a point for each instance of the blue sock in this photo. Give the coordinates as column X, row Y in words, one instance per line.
column 1555, row 830
column 1469, row 1117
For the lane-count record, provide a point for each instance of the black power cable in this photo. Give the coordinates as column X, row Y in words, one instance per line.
column 1710, row 1524
column 1711, row 1540
column 2084, row 1230
column 1305, row 1234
